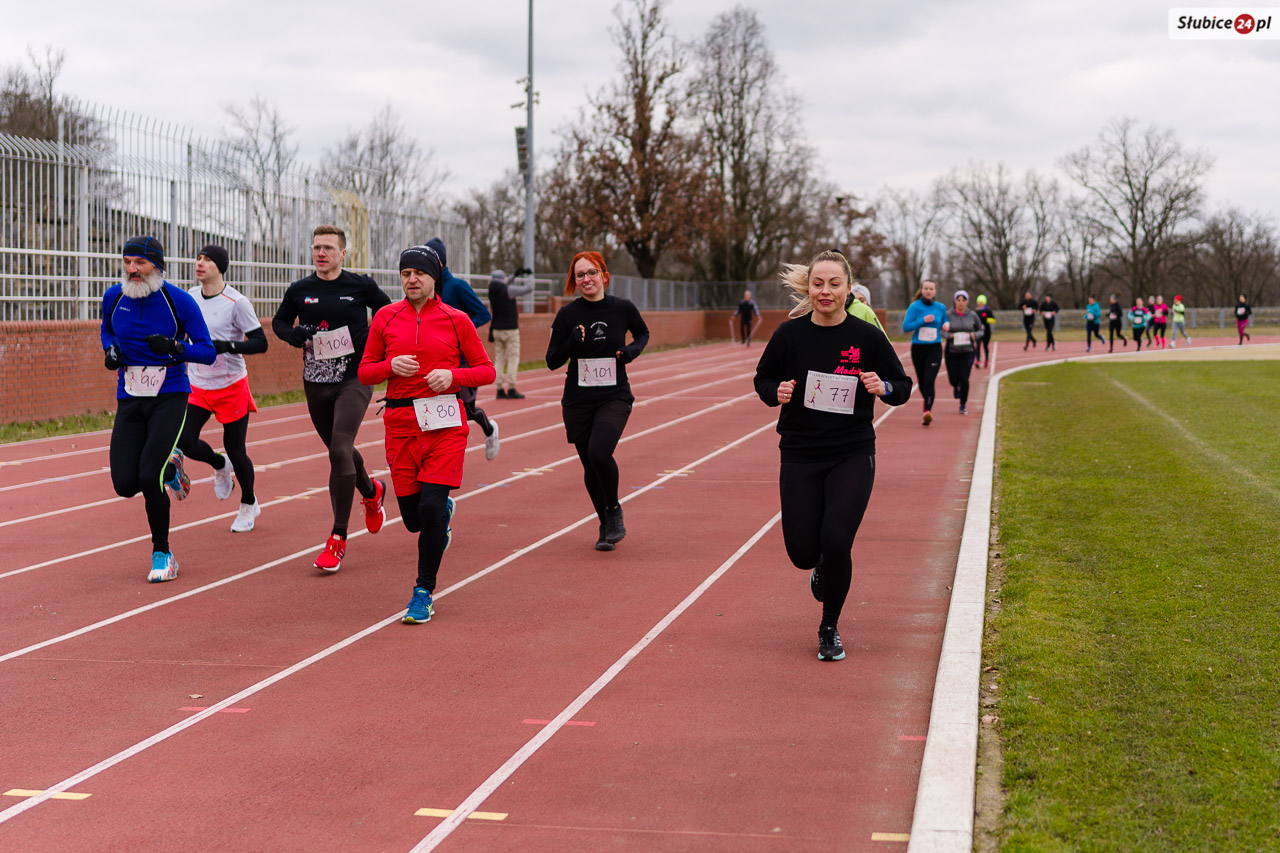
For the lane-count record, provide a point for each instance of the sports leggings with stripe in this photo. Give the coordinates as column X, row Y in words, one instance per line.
column 336, row 411
column 144, row 435
column 233, row 442
column 926, row 359
column 822, row 507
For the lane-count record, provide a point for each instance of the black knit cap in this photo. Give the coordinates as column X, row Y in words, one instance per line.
column 424, row 258
column 218, row 255
column 145, row 247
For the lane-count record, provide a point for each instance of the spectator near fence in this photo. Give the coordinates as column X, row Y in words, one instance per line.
column 504, row 330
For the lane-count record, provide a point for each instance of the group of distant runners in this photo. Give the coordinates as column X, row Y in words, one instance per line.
column 180, row 359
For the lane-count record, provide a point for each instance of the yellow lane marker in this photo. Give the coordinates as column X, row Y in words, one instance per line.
column 903, row 837
column 65, row 795
column 472, row 816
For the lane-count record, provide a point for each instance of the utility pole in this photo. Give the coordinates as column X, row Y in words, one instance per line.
column 528, row 175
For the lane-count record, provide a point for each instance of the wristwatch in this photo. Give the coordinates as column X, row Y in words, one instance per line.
column 888, row 389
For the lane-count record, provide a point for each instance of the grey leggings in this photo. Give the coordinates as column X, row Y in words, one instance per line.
column 336, row 411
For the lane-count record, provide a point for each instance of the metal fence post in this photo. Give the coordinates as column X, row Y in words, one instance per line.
column 82, row 240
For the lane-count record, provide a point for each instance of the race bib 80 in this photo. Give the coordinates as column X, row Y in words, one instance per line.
column 440, row 412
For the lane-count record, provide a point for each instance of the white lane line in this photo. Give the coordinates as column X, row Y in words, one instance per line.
column 477, row 491
column 159, row 737
column 701, row 366
column 512, row 764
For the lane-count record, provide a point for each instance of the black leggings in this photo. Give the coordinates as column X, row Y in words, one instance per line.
column 822, row 507
column 427, row 514
column 233, row 441
column 1115, row 330
column 474, row 412
column 1029, row 326
column 986, row 346
column 926, row 359
column 1137, row 337
column 595, row 446
column 144, row 435
column 336, row 411
column 1091, row 330
column 1048, row 333
column 744, row 328
column 959, row 365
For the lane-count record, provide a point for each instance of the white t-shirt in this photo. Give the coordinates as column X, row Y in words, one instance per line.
column 229, row 316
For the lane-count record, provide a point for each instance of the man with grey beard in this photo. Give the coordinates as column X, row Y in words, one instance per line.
column 150, row 329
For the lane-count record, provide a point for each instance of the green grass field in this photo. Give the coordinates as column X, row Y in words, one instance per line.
column 1136, row 645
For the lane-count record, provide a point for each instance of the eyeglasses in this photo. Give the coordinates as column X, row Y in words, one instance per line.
column 333, row 250
column 586, row 274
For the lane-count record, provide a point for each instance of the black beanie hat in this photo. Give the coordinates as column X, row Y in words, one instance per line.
column 218, row 255
column 438, row 244
column 424, row 258
column 145, row 247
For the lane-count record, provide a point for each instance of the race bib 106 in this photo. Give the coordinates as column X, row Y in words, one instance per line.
column 333, row 343
column 143, row 381
column 441, row 412
column 831, row 392
column 597, row 371
column 926, row 334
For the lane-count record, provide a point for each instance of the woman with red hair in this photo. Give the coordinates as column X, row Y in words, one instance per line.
column 590, row 333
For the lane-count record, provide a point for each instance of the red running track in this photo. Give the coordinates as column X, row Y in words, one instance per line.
column 663, row 696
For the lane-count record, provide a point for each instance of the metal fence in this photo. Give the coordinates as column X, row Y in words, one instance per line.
column 67, row 206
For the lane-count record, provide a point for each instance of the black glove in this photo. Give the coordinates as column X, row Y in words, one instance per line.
column 523, row 271
column 300, row 335
column 164, row 345
column 222, row 346
column 112, row 360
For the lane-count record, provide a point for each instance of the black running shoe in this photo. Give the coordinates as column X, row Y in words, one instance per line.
column 603, row 543
column 829, row 645
column 815, row 582
column 614, row 529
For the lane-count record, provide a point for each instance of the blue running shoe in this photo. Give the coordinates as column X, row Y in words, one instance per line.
column 448, row 530
column 180, row 485
column 164, row 567
column 420, row 608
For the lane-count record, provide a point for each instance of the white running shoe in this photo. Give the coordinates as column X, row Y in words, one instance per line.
column 245, row 517
column 491, row 444
column 224, row 480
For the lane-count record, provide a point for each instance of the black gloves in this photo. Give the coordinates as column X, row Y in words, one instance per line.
column 163, row 345
column 222, row 346
column 112, row 360
column 300, row 335
column 523, row 271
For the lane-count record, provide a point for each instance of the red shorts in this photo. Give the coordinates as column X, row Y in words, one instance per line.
column 428, row 457
column 227, row 404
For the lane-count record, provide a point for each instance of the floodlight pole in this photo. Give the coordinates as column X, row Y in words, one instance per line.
column 528, row 175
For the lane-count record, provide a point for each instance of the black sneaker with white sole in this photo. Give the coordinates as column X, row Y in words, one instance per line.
column 829, row 645
column 815, row 582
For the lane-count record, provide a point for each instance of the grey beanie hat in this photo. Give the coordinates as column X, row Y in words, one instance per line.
column 497, row 275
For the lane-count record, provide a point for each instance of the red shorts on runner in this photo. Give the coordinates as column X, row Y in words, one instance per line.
column 428, row 457
column 228, row 404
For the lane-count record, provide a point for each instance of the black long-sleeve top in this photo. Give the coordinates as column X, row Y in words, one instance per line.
column 799, row 346
column 318, row 304
column 606, row 323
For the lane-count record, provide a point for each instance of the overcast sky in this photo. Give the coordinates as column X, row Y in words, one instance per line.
column 894, row 94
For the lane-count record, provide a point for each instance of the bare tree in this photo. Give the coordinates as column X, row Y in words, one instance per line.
column 1237, row 254
column 382, row 163
column 495, row 221
column 265, row 152
column 637, row 170
column 30, row 105
column 1003, row 229
column 856, row 234
column 1142, row 189
column 913, row 223
column 1080, row 244
column 763, row 173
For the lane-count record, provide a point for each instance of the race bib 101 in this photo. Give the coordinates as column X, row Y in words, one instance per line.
column 332, row 343
column 441, row 412
column 926, row 334
column 597, row 372
column 831, row 392
column 142, row 381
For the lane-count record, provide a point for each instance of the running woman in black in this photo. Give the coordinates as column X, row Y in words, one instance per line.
column 221, row 390
column 332, row 309
column 1243, row 313
column 150, row 330
column 1115, row 327
column 964, row 327
column 1029, row 308
column 1049, row 313
column 590, row 334
column 988, row 317
column 825, row 369
column 747, row 317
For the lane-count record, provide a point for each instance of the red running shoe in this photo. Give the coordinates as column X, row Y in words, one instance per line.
column 374, row 514
column 330, row 558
